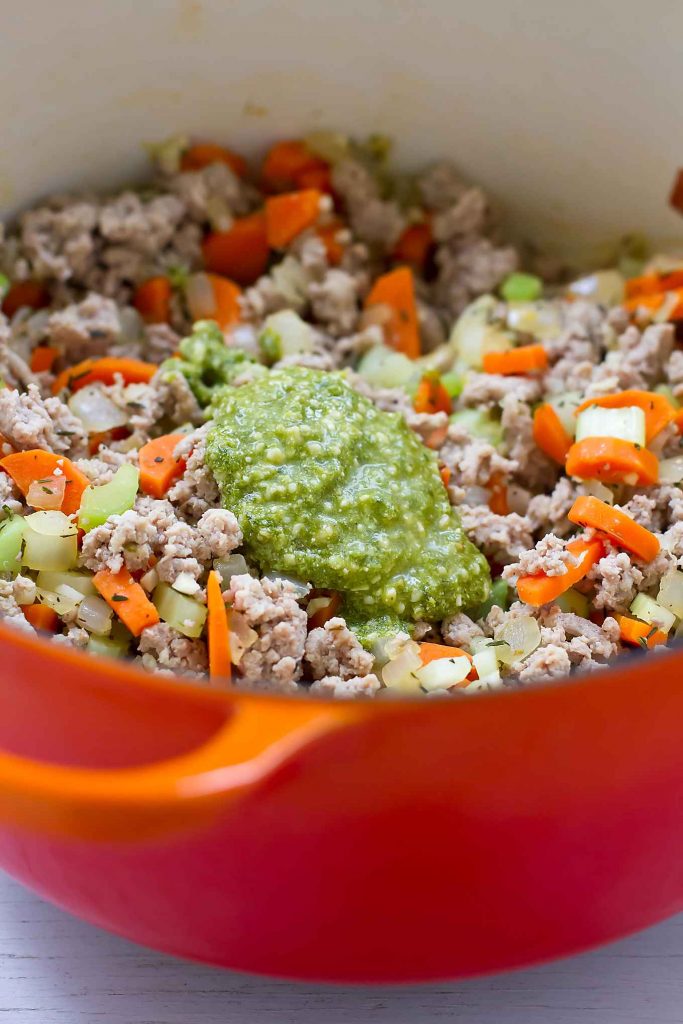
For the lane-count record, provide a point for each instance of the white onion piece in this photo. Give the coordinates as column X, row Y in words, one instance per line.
column 671, row 470
column 234, row 565
column 649, row 610
column 50, row 542
column 63, row 601
column 606, row 287
column 76, row 580
column 301, row 589
column 131, row 327
column 599, row 490
column 185, row 583
column 671, row 592
column 400, row 671
column 94, row 614
column 522, row 634
column 149, row 581
column 444, row 672
column 47, row 493
column 95, row 410
column 486, row 665
column 200, row 297
column 242, row 636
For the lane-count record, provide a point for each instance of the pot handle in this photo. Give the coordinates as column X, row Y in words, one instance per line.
column 258, row 736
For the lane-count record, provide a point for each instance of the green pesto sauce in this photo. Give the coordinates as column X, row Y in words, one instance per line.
column 330, row 489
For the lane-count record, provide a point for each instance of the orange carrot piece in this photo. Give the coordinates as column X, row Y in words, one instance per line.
column 201, row 154
column 91, row 371
column 323, row 615
column 240, row 253
column 613, row 461
column 41, row 617
column 289, row 214
column 621, row 529
column 220, row 664
column 498, row 501
column 319, row 177
column 43, row 358
column 285, row 164
column 436, row 437
column 226, row 293
column 526, row 359
column 651, row 302
column 540, row 589
column 396, row 290
column 158, row 465
column 646, row 284
column 431, row 396
column 152, row 299
column 550, row 435
column 433, row 652
column 445, row 475
column 333, row 248
column 414, row 244
column 639, row 634
column 127, row 599
column 659, row 411
column 25, row 293
column 36, row 464
column 678, row 421
column 676, row 195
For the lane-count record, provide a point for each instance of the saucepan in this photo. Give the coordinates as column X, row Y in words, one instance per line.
column 350, row 841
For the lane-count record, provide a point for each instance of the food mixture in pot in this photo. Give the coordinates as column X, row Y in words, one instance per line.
column 313, row 425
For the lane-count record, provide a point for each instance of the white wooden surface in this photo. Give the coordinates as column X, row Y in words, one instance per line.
column 55, row 970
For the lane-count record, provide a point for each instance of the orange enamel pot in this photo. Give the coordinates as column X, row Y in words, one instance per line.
column 379, row 841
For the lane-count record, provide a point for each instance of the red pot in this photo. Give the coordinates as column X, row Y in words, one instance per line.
column 378, row 841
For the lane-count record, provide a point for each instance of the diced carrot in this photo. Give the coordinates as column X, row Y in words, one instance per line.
column 445, row 475
column 105, row 437
column 43, row 358
column 498, row 501
column 36, row 464
column 328, row 236
column 319, row 177
column 672, row 281
column 396, row 291
column 25, row 293
column 127, row 599
column 435, row 652
column 613, row 461
column 550, row 435
column 104, row 371
column 152, row 299
column 678, row 421
column 241, row 253
column 646, row 284
column 285, row 163
column 218, row 625
column 525, row 359
column 659, row 411
column 645, row 301
column 436, row 437
column 201, row 154
column 41, row 616
column 226, row 293
column 622, row 530
column 676, row 196
column 323, row 615
column 414, row 244
column 539, row 588
column 158, row 465
column 289, row 214
column 431, row 396
column 639, row 634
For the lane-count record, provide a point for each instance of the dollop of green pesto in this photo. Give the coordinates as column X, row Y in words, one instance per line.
column 329, row 488
column 207, row 363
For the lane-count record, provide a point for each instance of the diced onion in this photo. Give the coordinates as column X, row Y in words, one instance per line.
column 647, row 609
column 522, row 634
column 95, row 410
column 671, row 470
column 384, row 368
column 50, row 542
column 486, row 664
column 443, row 672
column 399, row 673
column 285, row 334
column 183, row 613
column 94, row 614
column 234, row 565
column 301, row 589
column 149, row 581
column 606, row 287
column 47, row 493
column 317, row 604
column 185, row 583
column 599, row 490
column 131, row 324
column 474, row 334
column 565, row 405
column 290, row 280
column 76, row 580
column 242, row 636
column 63, row 601
column 627, row 424
column 200, row 297
column 671, row 592
column 541, row 319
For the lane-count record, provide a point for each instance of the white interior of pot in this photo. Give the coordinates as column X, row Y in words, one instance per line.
column 569, row 115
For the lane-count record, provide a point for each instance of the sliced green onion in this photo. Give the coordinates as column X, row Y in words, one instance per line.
column 628, row 423
column 11, row 539
column 114, row 498
column 521, row 288
column 183, row 613
column 50, row 542
column 647, row 609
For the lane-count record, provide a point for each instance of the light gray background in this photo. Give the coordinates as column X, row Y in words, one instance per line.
column 55, row 970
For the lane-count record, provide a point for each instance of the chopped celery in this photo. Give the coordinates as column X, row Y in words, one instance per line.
column 11, row 539
column 284, row 334
column 330, row 146
column 606, row 287
column 453, row 383
column 627, row 424
column 114, row 498
column 4, row 285
column 521, row 288
column 382, row 367
column 50, row 542
column 671, row 592
column 80, row 581
column 647, row 609
column 63, row 600
column 476, row 332
column 565, row 405
column 664, row 389
column 499, row 597
column 573, row 601
column 183, row 613
column 443, row 672
column 486, row 664
column 480, row 423
column 107, row 646
column 541, row 319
